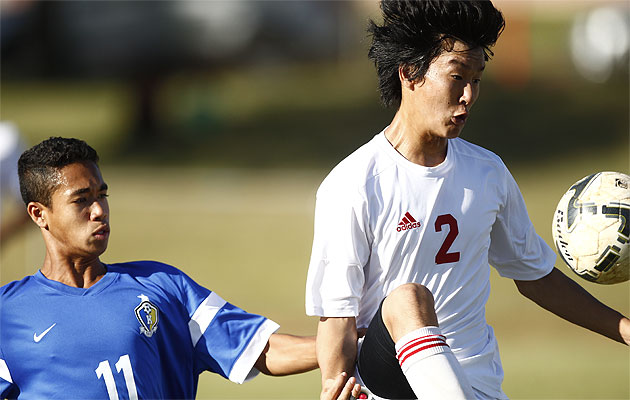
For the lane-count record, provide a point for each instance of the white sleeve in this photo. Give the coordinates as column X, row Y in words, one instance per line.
column 516, row 250
column 340, row 250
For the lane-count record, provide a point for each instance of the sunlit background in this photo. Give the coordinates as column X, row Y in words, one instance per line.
column 217, row 120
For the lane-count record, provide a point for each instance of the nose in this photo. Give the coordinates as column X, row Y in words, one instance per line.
column 99, row 210
column 467, row 96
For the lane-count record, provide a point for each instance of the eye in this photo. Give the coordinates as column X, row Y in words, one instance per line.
column 80, row 200
column 456, row 77
column 476, row 81
column 103, row 195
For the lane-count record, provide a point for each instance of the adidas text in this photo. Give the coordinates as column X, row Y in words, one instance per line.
column 412, row 225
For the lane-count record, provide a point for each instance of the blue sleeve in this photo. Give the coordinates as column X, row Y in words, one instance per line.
column 8, row 390
column 226, row 339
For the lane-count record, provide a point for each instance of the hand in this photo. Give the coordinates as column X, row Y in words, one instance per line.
column 340, row 388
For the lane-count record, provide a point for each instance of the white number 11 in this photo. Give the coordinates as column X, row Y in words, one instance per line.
column 105, row 370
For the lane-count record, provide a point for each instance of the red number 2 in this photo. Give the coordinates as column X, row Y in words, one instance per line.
column 443, row 256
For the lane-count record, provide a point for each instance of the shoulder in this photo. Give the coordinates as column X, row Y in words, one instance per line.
column 143, row 267
column 162, row 278
column 484, row 166
column 356, row 171
column 15, row 288
column 149, row 271
column 475, row 153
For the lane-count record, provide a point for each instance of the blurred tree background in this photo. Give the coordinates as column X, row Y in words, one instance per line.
column 287, row 83
column 216, row 120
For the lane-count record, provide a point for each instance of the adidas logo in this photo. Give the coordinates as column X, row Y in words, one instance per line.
column 408, row 222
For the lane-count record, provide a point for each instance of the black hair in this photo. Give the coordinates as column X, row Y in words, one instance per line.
column 415, row 32
column 38, row 167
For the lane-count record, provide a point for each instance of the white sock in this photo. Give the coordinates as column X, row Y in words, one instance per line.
column 430, row 367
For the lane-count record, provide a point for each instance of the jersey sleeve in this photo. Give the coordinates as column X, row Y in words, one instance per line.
column 7, row 388
column 516, row 250
column 341, row 248
column 226, row 339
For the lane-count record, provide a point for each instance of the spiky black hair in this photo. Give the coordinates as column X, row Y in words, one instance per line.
column 415, row 32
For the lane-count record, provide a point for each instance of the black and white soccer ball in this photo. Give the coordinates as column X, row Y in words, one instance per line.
column 591, row 227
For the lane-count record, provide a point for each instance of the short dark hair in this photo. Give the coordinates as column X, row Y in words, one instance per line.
column 38, row 167
column 415, row 32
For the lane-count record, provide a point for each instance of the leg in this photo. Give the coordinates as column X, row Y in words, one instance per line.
column 408, row 321
column 407, row 308
column 377, row 363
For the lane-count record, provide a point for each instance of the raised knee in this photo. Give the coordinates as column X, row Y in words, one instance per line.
column 413, row 293
column 408, row 307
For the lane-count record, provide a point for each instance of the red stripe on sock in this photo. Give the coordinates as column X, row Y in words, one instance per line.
column 421, row 349
column 420, row 340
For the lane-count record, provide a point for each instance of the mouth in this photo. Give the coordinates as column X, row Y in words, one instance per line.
column 459, row 119
column 102, row 232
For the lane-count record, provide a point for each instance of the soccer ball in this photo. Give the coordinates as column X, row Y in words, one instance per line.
column 591, row 227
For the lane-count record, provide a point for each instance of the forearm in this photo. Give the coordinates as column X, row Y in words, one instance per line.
column 287, row 355
column 336, row 347
column 562, row 296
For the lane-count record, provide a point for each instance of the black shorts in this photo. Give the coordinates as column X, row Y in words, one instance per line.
column 378, row 365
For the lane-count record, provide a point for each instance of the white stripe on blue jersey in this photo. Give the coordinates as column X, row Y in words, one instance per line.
column 144, row 330
column 4, row 371
column 242, row 370
column 204, row 314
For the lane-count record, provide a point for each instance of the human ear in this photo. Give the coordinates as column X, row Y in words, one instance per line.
column 405, row 73
column 37, row 213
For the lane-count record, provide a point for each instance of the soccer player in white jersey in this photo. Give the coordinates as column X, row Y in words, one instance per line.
column 82, row 329
column 407, row 225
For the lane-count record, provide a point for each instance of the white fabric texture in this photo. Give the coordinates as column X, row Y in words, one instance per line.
column 468, row 213
column 430, row 367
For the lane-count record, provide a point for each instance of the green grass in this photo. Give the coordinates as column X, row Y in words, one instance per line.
column 247, row 234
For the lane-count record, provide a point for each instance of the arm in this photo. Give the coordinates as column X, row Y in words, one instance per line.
column 562, row 296
column 287, row 355
column 336, row 349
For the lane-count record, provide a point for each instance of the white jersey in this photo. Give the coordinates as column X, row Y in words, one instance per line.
column 382, row 221
column 11, row 148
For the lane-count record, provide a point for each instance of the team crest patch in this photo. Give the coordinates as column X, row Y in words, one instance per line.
column 148, row 315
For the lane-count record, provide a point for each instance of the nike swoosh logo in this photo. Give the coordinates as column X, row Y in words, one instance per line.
column 37, row 337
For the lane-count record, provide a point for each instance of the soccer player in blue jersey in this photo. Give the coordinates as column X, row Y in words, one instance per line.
column 82, row 329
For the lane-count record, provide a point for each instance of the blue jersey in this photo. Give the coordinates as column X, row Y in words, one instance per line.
column 145, row 330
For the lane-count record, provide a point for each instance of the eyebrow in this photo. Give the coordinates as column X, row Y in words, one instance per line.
column 87, row 189
column 463, row 64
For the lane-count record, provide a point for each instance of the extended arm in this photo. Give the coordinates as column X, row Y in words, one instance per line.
column 336, row 348
column 562, row 296
column 287, row 355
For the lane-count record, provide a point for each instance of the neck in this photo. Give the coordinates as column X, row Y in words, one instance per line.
column 416, row 144
column 73, row 271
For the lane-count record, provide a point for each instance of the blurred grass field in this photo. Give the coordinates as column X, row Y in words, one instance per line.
column 246, row 234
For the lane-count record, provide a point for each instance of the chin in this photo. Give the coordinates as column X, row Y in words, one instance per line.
column 453, row 132
column 97, row 249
